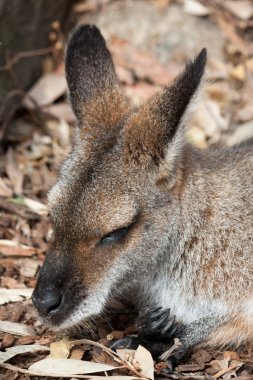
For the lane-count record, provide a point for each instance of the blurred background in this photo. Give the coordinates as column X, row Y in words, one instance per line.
column 150, row 41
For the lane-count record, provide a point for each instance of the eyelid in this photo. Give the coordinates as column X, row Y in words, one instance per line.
column 112, row 237
column 118, row 230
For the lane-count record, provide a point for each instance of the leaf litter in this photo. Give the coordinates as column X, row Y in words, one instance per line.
column 147, row 57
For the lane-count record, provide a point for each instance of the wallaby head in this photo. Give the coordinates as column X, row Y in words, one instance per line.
column 116, row 203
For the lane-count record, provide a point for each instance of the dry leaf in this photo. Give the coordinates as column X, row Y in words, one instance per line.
column 69, row 367
column 195, row 8
column 5, row 191
column 124, row 75
column 201, row 356
column 126, row 354
column 11, row 283
column 38, row 373
column 60, row 131
column 231, row 355
column 245, row 113
column 242, row 9
column 14, row 248
column 29, row 267
column 234, row 365
column 36, row 206
column 48, row 88
column 242, row 133
column 23, row 349
column 197, row 137
column 60, row 349
column 14, row 295
column 144, row 359
column 76, row 353
column 14, row 173
column 16, row 328
column 238, row 72
column 209, row 118
column 61, row 111
column 144, row 65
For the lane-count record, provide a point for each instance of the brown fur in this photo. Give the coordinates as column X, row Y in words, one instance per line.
column 180, row 221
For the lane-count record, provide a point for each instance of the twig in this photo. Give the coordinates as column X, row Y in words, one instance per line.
column 167, row 353
column 115, row 356
column 25, row 54
column 8, row 66
column 225, row 370
column 9, row 96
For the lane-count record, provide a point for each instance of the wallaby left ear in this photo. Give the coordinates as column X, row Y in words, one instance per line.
column 156, row 131
column 94, row 91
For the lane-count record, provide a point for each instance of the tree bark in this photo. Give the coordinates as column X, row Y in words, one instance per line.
column 25, row 26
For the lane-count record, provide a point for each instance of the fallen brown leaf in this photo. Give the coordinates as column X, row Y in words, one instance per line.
column 5, row 191
column 144, row 65
column 242, row 9
column 145, row 362
column 14, row 173
column 29, row 267
column 194, row 7
column 17, row 350
column 60, row 350
column 14, row 295
column 48, row 88
column 16, row 328
column 36, row 206
column 71, row 367
column 13, row 248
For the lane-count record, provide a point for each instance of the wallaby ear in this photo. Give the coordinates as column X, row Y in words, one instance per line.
column 93, row 86
column 156, row 131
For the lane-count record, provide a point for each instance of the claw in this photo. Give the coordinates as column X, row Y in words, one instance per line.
column 169, row 330
column 169, row 325
column 147, row 310
column 128, row 342
column 148, row 316
column 160, row 322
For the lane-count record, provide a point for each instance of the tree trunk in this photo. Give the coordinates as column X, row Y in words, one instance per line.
column 25, row 26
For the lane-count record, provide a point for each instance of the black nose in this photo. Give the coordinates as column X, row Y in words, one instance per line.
column 48, row 301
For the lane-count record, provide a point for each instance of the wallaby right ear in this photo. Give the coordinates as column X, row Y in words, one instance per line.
column 93, row 86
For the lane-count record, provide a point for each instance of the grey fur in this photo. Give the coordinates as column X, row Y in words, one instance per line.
column 191, row 245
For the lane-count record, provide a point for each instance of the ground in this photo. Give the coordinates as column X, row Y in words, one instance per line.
column 150, row 41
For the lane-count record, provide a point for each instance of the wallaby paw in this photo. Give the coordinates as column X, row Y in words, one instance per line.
column 156, row 324
column 127, row 342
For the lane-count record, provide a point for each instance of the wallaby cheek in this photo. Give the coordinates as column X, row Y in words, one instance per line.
column 93, row 264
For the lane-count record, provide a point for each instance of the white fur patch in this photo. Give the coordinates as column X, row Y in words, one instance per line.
column 163, row 293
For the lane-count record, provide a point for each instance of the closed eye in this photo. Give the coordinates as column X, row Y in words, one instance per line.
column 115, row 237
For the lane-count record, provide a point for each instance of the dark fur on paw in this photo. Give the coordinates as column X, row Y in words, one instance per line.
column 156, row 324
column 157, row 329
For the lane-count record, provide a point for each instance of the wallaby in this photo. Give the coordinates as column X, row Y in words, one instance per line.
column 138, row 212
